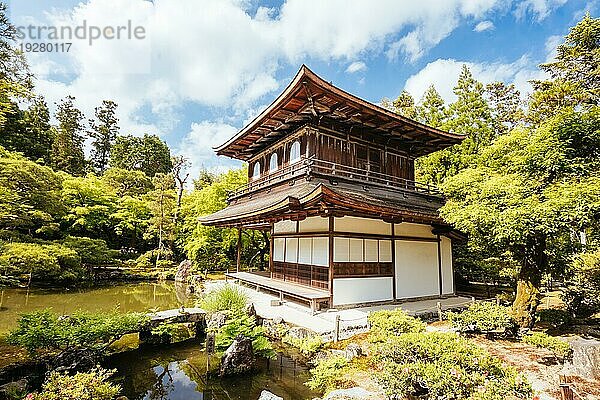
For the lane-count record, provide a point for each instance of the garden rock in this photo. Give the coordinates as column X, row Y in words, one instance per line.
column 355, row 393
column 273, row 329
column 76, row 360
column 216, row 320
column 353, row 350
column 9, row 390
column 250, row 310
column 299, row 333
column 266, row 395
column 238, row 358
column 183, row 271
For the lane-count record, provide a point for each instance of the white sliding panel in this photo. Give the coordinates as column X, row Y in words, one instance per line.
column 291, row 250
column 278, row 249
column 304, row 250
column 320, row 251
column 341, row 249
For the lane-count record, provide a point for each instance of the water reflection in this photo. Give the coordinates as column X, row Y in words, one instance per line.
column 141, row 296
column 179, row 372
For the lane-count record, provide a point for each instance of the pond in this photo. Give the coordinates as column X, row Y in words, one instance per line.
column 158, row 372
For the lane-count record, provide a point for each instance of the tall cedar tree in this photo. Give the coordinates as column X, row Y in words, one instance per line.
column 431, row 110
column 405, row 105
column 67, row 148
column 103, row 131
column 505, row 106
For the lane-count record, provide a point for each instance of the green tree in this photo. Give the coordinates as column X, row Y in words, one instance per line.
column 469, row 115
column 405, row 105
column 525, row 196
column 431, row 110
column 575, row 73
column 148, row 154
column 67, row 148
column 181, row 175
column 505, row 106
column 104, row 131
column 131, row 218
column 162, row 204
column 126, row 182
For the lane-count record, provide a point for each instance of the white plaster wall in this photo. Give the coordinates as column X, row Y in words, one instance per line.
column 447, row 268
column 361, row 290
column 285, row 227
column 416, row 269
column 314, row 224
column 278, row 247
column 414, row 230
column 362, row 225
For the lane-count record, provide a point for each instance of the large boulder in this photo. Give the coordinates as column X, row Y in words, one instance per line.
column 238, row 358
column 585, row 361
column 266, row 395
column 275, row 328
column 74, row 360
column 183, row 271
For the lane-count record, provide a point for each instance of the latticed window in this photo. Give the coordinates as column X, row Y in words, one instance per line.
column 256, row 171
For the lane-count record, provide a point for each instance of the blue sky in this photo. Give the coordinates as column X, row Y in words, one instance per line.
column 206, row 67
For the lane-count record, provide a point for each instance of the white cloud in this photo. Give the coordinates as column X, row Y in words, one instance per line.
column 538, row 9
column 356, row 66
column 484, row 26
column 443, row 74
column 551, row 44
column 197, row 146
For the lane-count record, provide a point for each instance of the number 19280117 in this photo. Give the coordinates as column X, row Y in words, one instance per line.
column 45, row 47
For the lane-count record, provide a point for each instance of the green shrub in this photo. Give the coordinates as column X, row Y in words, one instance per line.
column 483, row 317
column 242, row 324
column 225, row 298
column 394, row 322
column 92, row 251
column 328, row 374
column 444, row 365
column 92, row 385
column 582, row 294
column 559, row 348
column 49, row 331
column 307, row 346
column 47, row 262
column 554, row 317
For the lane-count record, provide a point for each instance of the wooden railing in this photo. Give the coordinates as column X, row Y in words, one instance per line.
column 313, row 167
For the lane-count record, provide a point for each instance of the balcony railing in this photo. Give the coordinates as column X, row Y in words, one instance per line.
column 335, row 172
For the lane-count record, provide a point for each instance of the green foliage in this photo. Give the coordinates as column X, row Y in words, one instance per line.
column 45, row 262
column 46, row 330
column 431, row 110
column 91, row 385
column 148, row 154
column 582, row 295
column 245, row 325
column 104, row 131
column 93, row 252
column 225, row 298
column 394, row 322
column 483, row 317
column 559, row 348
column 308, row 345
column 447, row 365
column 328, row 374
column 555, row 317
column 127, row 182
column 67, row 147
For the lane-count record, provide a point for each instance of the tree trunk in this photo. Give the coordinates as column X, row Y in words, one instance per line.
column 527, row 298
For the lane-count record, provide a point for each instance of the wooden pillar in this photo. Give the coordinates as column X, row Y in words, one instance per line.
column 330, row 261
column 439, row 254
column 271, row 247
column 393, row 263
column 239, row 250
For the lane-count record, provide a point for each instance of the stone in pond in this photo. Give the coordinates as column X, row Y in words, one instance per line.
column 238, row 358
column 183, row 271
column 266, row 395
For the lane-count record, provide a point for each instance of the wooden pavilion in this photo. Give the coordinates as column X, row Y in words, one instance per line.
column 331, row 176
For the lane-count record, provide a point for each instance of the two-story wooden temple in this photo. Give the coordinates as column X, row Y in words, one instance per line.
column 331, row 176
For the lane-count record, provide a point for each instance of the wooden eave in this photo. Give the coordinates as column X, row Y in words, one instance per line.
column 310, row 99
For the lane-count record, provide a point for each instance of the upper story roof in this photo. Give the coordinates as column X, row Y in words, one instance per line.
column 310, row 99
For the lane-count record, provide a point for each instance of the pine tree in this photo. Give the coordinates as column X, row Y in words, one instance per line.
column 36, row 123
column 67, row 148
column 104, row 131
column 405, row 105
column 505, row 106
column 431, row 110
